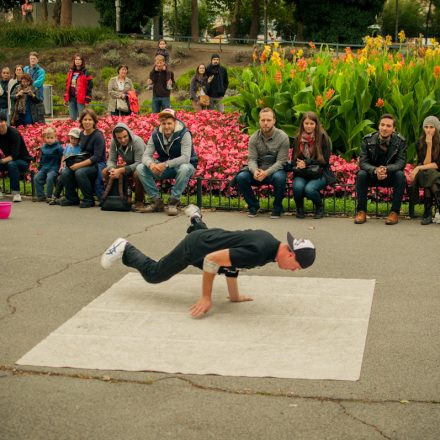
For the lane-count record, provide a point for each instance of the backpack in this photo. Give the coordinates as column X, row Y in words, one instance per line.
column 133, row 101
column 116, row 195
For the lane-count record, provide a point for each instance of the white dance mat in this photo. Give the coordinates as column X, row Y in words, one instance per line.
column 308, row 328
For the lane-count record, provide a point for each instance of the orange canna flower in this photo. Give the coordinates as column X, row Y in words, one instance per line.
column 292, row 73
column 319, row 101
column 386, row 67
column 312, row 45
column 329, row 94
column 436, row 71
column 380, row 103
column 302, row 64
column 278, row 78
column 264, row 69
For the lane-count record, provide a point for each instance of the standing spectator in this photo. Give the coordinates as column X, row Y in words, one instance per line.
column 28, row 107
column 16, row 157
column 79, row 87
column 26, row 11
column 382, row 161
column 49, row 165
column 118, row 87
column 13, row 84
column 162, row 50
column 268, row 152
column 199, row 89
column 426, row 174
column 218, row 78
column 162, row 80
column 82, row 175
column 169, row 154
column 37, row 73
column 311, row 149
column 4, row 86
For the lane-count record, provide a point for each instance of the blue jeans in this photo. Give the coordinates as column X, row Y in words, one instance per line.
column 395, row 180
column 14, row 168
column 159, row 104
column 99, row 182
column 245, row 181
column 308, row 188
column 75, row 109
column 182, row 174
column 45, row 176
column 83, row 178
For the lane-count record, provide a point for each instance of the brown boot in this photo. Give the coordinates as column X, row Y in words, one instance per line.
column 155, row 206
column 361, row 217
column 392, row 218
column 172, row 207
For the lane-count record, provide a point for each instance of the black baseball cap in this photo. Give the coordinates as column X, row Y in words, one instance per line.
column 304, row 250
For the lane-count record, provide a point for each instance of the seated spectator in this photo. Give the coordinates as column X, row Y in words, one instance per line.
column 162, row 50
column 382, row 161
column 268, row 151
column 79, row 85
column 16, row 157
column 161, row 80
column 176, row 159
column 199, row 89
column 310, row 159
column 118, row 87
column 83, row 174
column 426, row 174
column 49, row 165
column 4, row 83
column 28, row 107
column 37, row 74
column 13, row 84
column 72, row 149
column 130, row 148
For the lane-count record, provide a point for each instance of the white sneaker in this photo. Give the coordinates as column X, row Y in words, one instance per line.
column 437, row 218
column 16, row 198
column 192, row 210
column 113, row 253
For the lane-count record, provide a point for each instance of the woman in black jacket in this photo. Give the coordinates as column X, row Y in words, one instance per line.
column 310, row 161
column 426, row 174
column 82, row 174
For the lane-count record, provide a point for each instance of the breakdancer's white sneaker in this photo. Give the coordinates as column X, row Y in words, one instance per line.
column 192, row 211
column 113, row 253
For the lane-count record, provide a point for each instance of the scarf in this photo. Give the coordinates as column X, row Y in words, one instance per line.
column 20, row 103
column 307, row 144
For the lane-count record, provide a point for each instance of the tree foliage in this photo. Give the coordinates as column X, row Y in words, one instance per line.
column 411, row 17
column 134, row 13
column 184, row 17
column 343, row 21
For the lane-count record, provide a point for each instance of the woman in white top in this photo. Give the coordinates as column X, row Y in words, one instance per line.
column 118, row 86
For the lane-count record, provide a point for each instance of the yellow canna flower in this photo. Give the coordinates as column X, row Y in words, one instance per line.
column 371, row 70
column 402, row 36
column 300, row 53
column 275, row 45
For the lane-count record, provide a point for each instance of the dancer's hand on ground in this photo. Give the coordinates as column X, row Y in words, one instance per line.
column 202, row 306
column 240, row 298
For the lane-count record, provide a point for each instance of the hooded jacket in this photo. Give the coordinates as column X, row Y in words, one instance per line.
column 131, row 154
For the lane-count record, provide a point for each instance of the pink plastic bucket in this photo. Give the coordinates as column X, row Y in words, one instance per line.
column 5, row 209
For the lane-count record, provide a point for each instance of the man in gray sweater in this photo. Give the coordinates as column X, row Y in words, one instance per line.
column 130, row 148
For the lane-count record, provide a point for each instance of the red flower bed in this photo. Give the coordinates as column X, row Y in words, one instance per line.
column 218, row 139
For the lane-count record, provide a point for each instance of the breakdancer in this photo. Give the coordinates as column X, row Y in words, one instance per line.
column 215, row 251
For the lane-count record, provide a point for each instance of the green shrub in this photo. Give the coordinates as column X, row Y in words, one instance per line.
column 141, row 59
column 57, row 66
column 19, row 34
column 107, row 73
column 184, row 80
column 58, row 81
column 98, row 107
column 146, row 106
column 112, row 57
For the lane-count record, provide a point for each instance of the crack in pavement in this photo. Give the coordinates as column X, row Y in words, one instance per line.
column 348, row 414
column 245, row 391
column 11, row 309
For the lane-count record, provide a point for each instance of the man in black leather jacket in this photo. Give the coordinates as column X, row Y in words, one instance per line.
column 382, row 161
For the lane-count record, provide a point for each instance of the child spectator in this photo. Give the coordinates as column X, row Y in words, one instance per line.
column 162, row 50
column 72, row 149
column 162, row 80
column 50, row 161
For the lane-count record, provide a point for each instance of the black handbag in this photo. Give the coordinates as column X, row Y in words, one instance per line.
column 309, row 172
column 76, row 158
column 117, row 196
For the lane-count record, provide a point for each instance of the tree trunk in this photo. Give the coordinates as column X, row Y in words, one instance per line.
column 66, row 13
column 300, row 34
column 44, row 8
column 234, row 19
column 56, row 15
column 176, row 24
column 195, row 20
column 255, row 23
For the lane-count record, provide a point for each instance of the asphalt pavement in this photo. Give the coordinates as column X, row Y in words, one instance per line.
column 49, row 270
